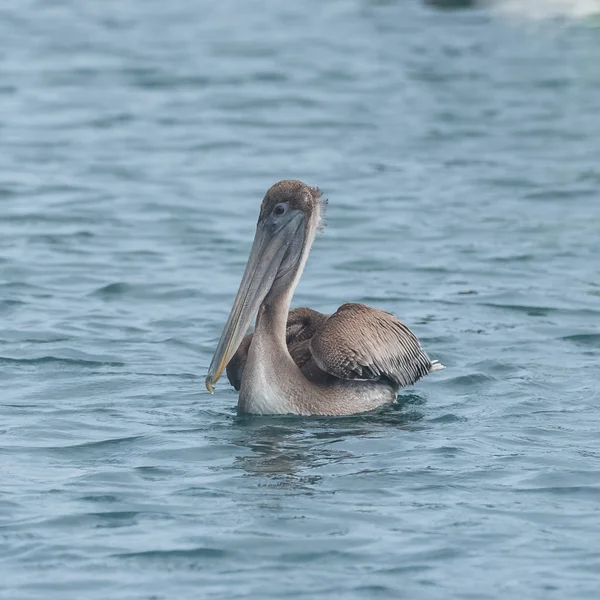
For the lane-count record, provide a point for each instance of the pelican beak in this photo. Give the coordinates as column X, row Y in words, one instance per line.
column 268, row 252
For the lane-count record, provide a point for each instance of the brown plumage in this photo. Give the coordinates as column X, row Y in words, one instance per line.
column 305, row 362
column 356, row 343
column 296, row 194
column 364, row 343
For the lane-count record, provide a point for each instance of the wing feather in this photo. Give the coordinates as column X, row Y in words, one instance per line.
column 363, row 343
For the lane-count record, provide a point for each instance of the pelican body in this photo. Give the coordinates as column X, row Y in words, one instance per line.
column 304, row 362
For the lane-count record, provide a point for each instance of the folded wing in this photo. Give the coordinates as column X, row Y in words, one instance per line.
column 362, row 343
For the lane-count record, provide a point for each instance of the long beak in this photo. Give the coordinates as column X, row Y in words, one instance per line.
column 268, row 251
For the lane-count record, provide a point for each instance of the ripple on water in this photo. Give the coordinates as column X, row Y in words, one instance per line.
column 461, row 174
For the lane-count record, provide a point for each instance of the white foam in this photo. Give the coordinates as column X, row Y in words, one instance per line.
column 436, row 365
column 548, row 9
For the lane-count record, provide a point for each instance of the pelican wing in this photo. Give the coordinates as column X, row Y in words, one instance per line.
column 363, row 343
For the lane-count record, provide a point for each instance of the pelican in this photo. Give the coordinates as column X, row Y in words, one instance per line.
column 304, row 362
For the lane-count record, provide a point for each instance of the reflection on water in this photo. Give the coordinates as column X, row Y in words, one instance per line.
column 285, row 446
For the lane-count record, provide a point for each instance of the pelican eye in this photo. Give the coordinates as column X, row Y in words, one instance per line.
column 280, row 209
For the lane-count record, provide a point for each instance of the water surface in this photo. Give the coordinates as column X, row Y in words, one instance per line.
column 459, row 152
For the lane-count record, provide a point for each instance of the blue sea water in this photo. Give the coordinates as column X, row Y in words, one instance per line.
column 459, row 146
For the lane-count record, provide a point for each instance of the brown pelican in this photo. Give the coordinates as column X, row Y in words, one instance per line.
column 304, row 362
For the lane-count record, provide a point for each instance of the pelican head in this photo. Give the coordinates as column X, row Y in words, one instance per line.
column 289, row 216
